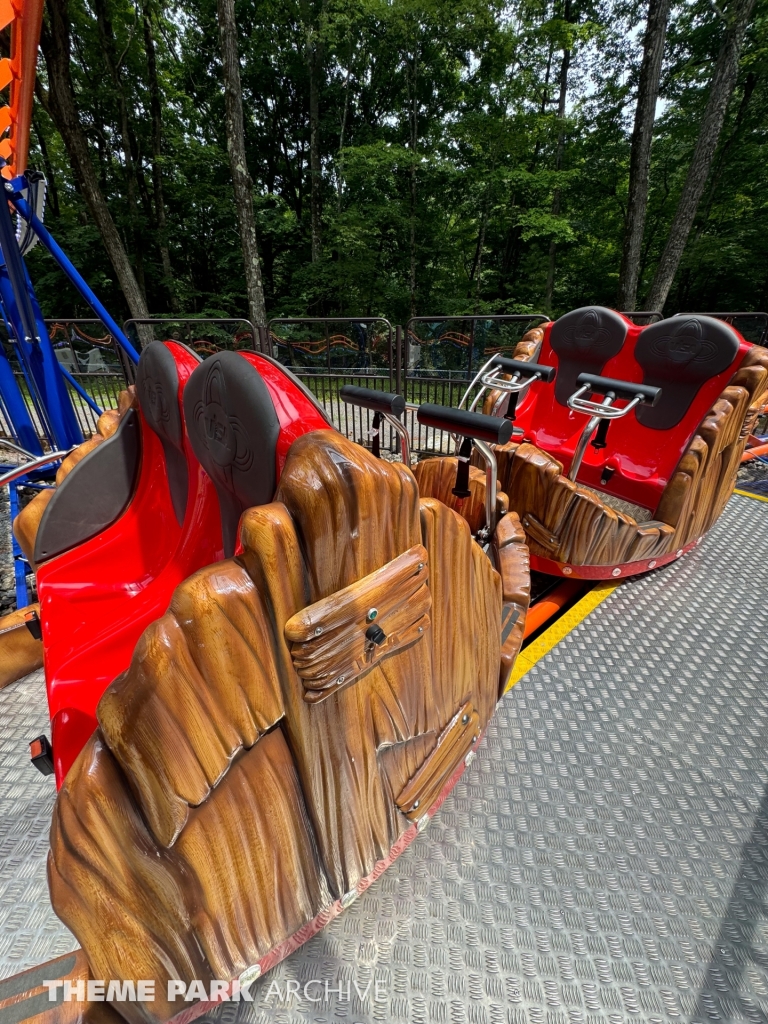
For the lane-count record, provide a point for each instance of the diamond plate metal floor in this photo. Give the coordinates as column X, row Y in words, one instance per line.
column 604, row 859
column 30, row 933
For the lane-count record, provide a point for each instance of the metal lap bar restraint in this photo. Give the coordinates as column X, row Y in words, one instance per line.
column 488, row 376
column 483, row 431
column 385, row 404
column 604, row 411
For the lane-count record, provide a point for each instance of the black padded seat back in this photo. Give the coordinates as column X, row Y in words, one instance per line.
column 679, row 355
column 233, row 428
column 157, row 388
column 94, row 494
column 583, row 341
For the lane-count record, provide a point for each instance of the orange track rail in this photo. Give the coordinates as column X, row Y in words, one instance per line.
column 753, row 453
column 18, row 71
column 550, row 605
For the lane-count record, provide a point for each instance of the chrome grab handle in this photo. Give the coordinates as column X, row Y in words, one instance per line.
column 478, row 377
column 603, row 410
column 405, row 443
column 492, row 380
column 44, row 460
column 488, row 377
column 22, row 451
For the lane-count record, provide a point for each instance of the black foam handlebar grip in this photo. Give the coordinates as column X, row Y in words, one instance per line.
column 547, row 373
column 377, row 401
column 468, row 424
column 621, row 388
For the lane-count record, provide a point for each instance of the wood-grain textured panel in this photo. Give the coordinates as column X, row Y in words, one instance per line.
column 216, row 812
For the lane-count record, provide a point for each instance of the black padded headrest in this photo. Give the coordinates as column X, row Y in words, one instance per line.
column 157, row 388
column 584, row 340
column 678, row 355
column 233, row 428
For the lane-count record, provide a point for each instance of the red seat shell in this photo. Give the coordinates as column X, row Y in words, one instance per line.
column 98, row 598
column 642, row 459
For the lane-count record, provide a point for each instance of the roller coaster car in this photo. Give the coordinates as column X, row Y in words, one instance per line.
column 138, row 514
column 628, row 438
column 290, row 723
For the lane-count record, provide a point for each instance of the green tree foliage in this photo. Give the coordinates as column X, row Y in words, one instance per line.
column 438, row 139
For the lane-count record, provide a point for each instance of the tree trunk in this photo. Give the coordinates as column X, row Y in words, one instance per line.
column 640, row 155
column 107, row 36
column 720, row 91
column 157, row 154
column 314, row 150
column 565, row 65
column 414, row 112
column 241, row 180
column 343, row 128
column 477, row 267
column 314, row 56
column 55, row 44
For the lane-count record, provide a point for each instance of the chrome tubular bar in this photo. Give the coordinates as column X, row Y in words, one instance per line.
column 491, row 474
column 405, row 444
column 4, row 442
column 600, row 409
column 44, row 460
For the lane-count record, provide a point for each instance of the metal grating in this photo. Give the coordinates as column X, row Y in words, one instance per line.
column 604, row 859
column 29, row 930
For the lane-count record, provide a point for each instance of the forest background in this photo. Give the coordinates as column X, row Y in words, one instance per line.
column 400, row 157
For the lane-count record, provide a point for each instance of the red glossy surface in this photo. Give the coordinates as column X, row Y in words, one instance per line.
column 643, row 459
column 97, row 599
column 296, row 413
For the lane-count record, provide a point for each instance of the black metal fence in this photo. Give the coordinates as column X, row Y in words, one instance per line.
column 203, row 335
column 94, row 360
column 442, row 354
column 432, row 360
column 328, row 352
column 96, row 367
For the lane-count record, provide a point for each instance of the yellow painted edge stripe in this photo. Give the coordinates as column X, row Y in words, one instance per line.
column 749, row 494
column 543, row 644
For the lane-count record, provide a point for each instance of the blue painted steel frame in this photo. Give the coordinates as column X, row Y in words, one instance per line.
column 74, row 276
column 16, row 410
column 46, row 384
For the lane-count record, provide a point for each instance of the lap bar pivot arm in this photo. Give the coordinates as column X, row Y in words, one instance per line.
column 522, row 375
column 386, row 406
column 480, row 431
column 602, row 413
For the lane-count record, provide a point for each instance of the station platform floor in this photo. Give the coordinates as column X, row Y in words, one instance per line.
column 604, row 859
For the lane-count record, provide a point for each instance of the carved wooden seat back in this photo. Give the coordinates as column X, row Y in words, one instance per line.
column 267, row 747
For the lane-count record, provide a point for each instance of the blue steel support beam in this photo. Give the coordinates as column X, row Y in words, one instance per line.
column 80, row 390
column 34, row 347
column 39, row 365
column 74, row 276
column 16, row 410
